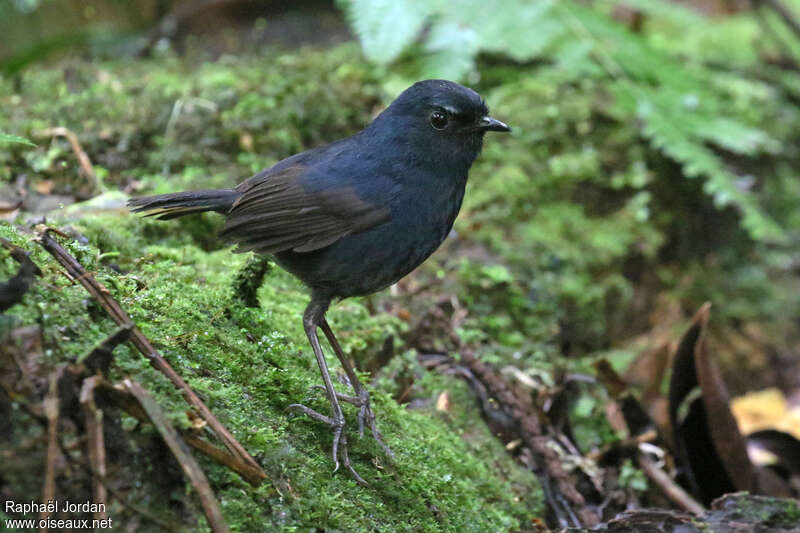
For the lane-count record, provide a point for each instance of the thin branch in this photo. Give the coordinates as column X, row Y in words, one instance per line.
column 96, row 444
column 671, row 490
column 564, row 494
column 51, row 411
column 254, row 476
column 518, row 415
column 102, row 295
column 128, row 403
column 178, row 447
column 80, row 154
column 99, row 359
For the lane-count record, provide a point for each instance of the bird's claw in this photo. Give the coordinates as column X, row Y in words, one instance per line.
column 365, row 413
column 339, row 439
column 313, row 414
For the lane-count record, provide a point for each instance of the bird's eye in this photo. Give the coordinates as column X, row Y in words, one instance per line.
column 438, row 120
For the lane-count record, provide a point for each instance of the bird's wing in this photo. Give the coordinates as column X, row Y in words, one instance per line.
column 283, row 210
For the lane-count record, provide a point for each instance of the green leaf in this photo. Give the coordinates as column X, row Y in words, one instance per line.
column 452, row 49
column 9, row 138
column 735, row 136
column 386, row 27
column 521, row 29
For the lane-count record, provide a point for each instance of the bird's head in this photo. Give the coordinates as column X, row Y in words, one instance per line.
column 440, row 118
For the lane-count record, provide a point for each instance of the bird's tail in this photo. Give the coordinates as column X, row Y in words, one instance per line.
column 167, row 206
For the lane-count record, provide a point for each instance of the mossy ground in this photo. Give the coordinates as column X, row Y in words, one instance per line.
column 248, row 365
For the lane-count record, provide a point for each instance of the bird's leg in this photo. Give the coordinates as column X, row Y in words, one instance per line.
column 361, row 398
column 313, row 315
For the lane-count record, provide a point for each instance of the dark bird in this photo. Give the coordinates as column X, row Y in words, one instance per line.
column 353, row 217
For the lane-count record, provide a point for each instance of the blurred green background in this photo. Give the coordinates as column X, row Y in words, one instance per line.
column 655, row 146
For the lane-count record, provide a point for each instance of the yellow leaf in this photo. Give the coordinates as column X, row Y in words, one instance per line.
column 766, row 409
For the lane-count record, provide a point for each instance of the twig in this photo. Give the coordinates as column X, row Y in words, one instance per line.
column 181, row 452
column 51, row 410
column 121, row 318
column 670, row 489
column 570, row 502
column 128, row 403
column 628, row 443
column 83, row 159
column 99, row 359
column 119, row 497
column 254, row 476
column 97, row 449
column 518, row 415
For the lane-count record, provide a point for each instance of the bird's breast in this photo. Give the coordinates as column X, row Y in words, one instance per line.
column 366, row 262
column 417, row 227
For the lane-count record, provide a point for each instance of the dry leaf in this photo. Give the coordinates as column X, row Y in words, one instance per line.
column 197, row 421
column 44, row 186
column 766, row 409
column 443, row 402
column 710, row 448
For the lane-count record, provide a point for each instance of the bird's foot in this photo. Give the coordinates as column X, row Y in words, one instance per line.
column 339, row 439
column 365, row 415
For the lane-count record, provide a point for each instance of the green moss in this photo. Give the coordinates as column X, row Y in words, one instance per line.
column 774, row 512
column 249, row 364
column 171, row 124
column 762, row 513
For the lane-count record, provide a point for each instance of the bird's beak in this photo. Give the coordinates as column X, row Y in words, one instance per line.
column 488, row 123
